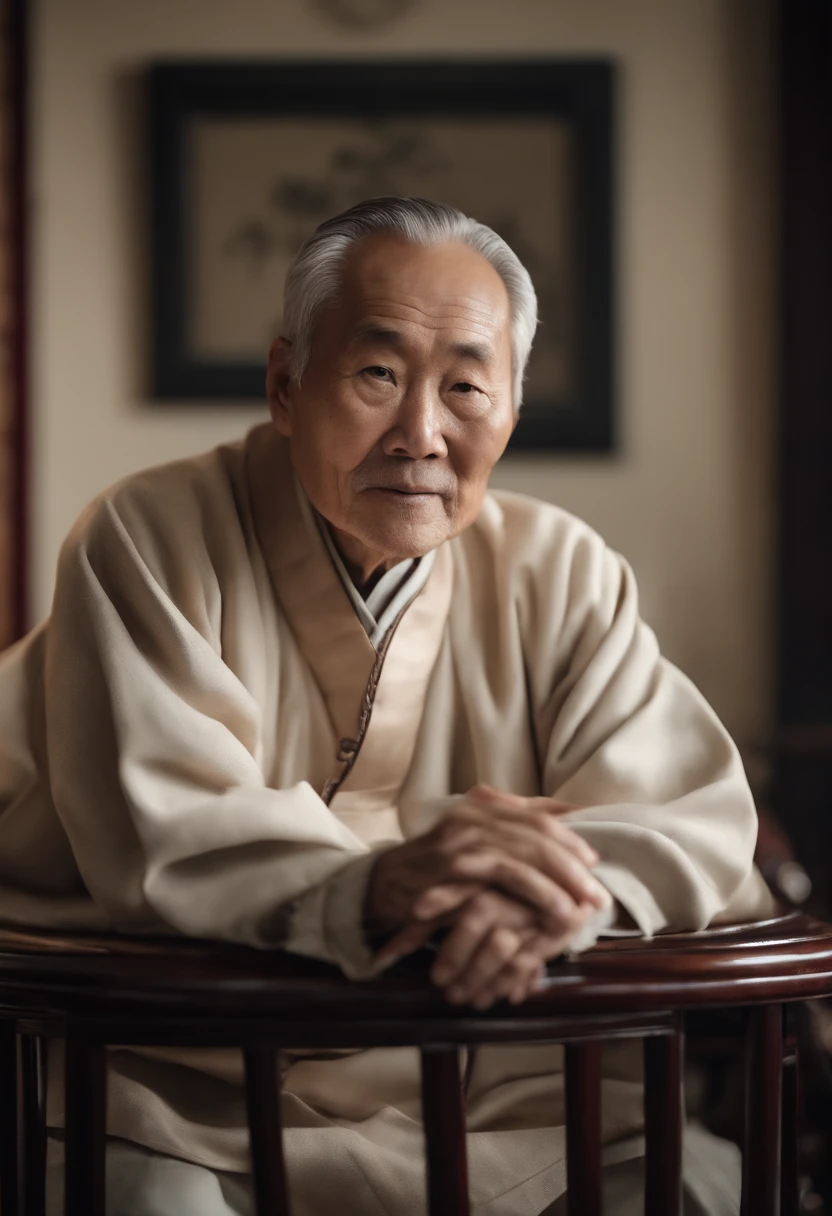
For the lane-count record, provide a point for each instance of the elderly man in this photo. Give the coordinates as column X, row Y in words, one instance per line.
column 319, row 690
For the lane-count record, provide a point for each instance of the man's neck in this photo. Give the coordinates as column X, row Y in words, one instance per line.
column 364, row 567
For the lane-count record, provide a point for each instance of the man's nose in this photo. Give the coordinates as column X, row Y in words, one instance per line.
column 417, row 430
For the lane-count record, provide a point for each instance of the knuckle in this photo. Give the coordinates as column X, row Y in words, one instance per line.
column 461, row 812
column 527, row 966
column 506, row 867
column 487, row 903
column 514, row 970
column 562, row 913
column 528, row 851
column 550, row 945
column 445, row 834
column 544, row 823
column 564, row 834
column 459, row 862
column 573, row 869
column 474, row 920
column 505, row 942
column 573, row 918
column 570, row 868
column 552, row 854
column 481, row 853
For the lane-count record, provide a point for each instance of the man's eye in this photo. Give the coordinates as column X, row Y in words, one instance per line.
column 378, row 373
column 464, row 387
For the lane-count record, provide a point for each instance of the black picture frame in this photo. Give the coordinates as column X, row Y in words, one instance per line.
column 577, row 91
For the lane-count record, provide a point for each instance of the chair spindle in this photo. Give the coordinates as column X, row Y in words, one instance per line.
column 9, row 1135
column 663, row 1121
column 582, row 1066
column 86, row 1125
column 790, row 1162
column 268, row 1166
column 763, row 1107
column 33, row 1119
column 443, row 1115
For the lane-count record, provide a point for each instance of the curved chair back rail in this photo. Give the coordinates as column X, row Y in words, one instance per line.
column 96, row 991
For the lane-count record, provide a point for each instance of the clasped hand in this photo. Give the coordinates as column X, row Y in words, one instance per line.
column 505, row 876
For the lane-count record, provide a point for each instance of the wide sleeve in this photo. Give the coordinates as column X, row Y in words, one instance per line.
column 628, row 739
column 152, row 756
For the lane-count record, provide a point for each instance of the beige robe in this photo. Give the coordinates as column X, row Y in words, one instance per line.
column 203, row 738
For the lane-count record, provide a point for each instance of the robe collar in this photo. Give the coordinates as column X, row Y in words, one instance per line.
column 394, row 590
column 315, row 602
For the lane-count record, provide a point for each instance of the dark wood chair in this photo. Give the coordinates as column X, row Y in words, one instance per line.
column 96, row 992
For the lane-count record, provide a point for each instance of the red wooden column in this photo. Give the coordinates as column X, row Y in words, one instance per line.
column 86, row 1123
column 33, row 1063
column 271, row 1193
column 790, row 1162
column 9, row 1134
column 663, row 1123
column 443, row 1115
column 582, row 1066
column 763, row 1107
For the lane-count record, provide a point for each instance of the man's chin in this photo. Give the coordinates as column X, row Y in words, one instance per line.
column 405, row 544
column 406, row 533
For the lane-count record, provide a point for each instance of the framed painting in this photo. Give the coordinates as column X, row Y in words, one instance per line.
column 247, row 158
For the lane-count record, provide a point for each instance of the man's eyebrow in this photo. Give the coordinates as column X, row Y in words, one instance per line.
column 372, row 331
column 480, row 352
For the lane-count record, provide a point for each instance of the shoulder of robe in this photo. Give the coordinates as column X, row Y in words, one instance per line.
column 177, row 519
column 568, row 591
column 544, row 549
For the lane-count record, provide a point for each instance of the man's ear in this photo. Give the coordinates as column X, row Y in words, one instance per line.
column 279, row 384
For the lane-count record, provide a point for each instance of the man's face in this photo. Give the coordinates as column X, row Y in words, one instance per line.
column 406, row 402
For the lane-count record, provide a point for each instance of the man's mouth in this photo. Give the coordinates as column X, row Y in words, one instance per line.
column 408, row 491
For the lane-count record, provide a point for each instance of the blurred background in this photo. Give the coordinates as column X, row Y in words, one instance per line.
column 687, row 493
column 716, row 484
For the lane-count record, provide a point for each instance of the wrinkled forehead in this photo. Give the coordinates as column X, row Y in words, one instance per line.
column 446, row 291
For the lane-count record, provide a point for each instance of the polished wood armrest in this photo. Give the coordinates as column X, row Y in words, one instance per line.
column 95, row 991
column 786, row 958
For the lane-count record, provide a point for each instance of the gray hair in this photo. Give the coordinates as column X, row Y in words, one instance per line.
column 313, row 277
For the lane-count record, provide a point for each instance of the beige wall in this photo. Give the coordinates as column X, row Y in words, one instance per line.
column 7, row 470
column 688, row 499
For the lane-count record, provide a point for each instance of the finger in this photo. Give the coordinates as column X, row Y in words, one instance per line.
column 533, row 814
column 460, row 829
column 495, row 952
column 563, row 834
column 551, row 828
column 547, row 946
column 486, row 913
column 514, row 982
column 501, row 908
column 407, row 941
column 523, row 845
column 473, row 926
column 517, row 975
column 551, row 858
column 554, row 806
column 508, row 912
column 485, row 796
column 444, row 898
column 468, row 824
column 530, row 982
column 525, row 882
column 531, row 837
column 488, row 796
